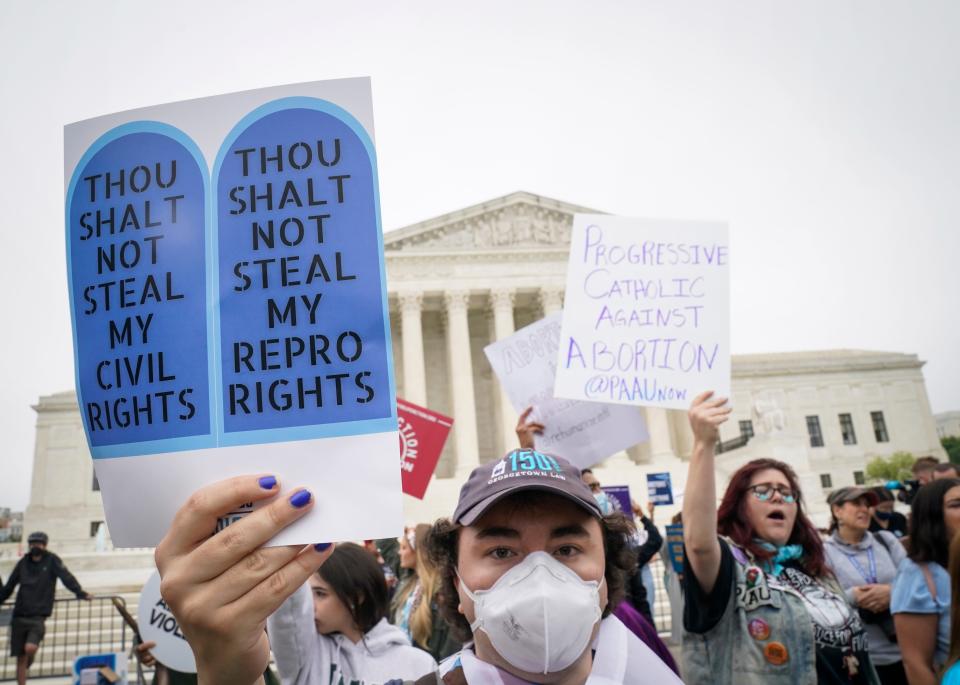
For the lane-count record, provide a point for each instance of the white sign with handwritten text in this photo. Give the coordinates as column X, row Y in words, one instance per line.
column 646, row 312
column 584, row 433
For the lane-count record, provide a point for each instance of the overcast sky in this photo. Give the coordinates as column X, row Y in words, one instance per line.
column 825, row 133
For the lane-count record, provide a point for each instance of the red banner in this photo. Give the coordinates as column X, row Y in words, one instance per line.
column 422, row 435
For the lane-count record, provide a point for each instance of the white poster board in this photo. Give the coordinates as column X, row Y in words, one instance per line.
column 646, row 312
column 228, row 299
column 584, row 433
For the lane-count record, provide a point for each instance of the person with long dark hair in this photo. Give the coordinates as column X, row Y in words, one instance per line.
column 761, row 604
column 951, row 675
column 920, row 602
column 224, row 588
column 334, row 629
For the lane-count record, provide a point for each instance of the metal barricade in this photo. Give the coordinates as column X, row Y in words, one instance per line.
column 76, row 627
column 660, row 603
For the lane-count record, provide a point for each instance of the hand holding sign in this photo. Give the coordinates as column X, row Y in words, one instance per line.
column 223, row 588
column 706, row 415
column 144, row 655
column 527, row 429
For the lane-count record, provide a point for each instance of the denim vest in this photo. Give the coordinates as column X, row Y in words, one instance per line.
column 731, row 652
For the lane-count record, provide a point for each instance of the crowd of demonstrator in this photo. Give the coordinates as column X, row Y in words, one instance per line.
column 538, row 576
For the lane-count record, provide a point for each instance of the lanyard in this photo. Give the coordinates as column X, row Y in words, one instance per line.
column 872, row 578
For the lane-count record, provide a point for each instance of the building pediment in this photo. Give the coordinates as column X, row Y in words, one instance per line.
column 519, row 220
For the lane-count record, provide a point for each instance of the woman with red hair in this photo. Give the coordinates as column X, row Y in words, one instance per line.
column 760, row 605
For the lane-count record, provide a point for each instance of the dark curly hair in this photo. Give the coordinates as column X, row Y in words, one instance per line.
column 357, row 580
column 620, row 561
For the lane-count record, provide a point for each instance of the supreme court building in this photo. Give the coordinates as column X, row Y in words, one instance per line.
column 461, row 280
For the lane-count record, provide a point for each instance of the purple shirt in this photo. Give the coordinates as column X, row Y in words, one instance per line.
column 641, row 627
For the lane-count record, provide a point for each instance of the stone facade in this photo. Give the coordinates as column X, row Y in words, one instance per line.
column 461, row 280
column 948, row 424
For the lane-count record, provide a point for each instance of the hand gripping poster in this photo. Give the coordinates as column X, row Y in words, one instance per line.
column 228, row 299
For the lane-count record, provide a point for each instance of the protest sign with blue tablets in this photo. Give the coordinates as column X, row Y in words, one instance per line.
column 228, row 298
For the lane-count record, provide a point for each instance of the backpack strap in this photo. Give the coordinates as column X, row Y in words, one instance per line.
column 879, row 538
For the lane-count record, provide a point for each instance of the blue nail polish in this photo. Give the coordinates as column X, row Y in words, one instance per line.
column 322, row 546
column 268, row 482
column 301, row 498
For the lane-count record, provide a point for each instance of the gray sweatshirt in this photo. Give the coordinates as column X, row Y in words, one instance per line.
column 841, row 557
column 304, row 657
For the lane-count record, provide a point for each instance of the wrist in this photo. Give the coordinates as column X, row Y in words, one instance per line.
column 703, row 447
column 228, row 668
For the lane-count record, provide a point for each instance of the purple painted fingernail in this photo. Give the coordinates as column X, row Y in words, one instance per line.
column 300, row 498
column 322, row 546
column 268, row 482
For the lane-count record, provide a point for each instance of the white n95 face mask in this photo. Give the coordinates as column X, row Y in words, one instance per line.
column 539, row 615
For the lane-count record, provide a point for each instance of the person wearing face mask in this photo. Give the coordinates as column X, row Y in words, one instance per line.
column 223, row 589
column 761, row 605
column 530, row 571
column 607, row 504
column 36, row 573
column 634, row 611
column 884, row 517
column 865, row 565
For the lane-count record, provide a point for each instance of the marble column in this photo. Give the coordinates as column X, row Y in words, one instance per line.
column 639, row 454
column 411, row 327
column 658, row 426
column 501, row 301
column 461, row 382
column 682, row 434
column 551, row 300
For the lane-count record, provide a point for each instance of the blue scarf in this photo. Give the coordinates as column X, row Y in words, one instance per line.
column 784, row 554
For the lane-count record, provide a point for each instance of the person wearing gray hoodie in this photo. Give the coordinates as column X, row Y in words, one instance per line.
column 865, row 565
column 333, row 630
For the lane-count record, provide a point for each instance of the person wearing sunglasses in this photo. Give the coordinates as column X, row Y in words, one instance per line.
column 761, row 605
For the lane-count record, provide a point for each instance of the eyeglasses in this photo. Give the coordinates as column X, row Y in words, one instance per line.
column 594, row 486
column 764, row 491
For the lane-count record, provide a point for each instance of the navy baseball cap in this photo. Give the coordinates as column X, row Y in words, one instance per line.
column 521, row 470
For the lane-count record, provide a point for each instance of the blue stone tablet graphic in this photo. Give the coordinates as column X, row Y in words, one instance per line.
column 301, row 316
column 136, row 257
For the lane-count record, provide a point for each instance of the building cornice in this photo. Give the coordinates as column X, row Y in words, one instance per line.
column 394, row 239
column 824, row 361
column 65, row 401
